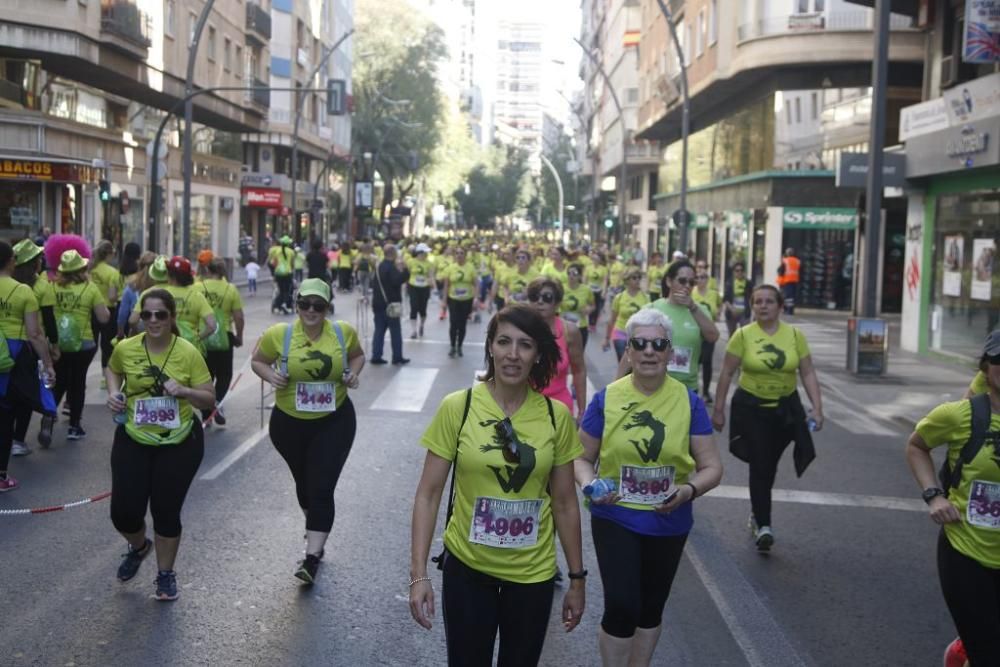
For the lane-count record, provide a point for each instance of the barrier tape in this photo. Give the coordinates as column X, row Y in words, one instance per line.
column 56, row 508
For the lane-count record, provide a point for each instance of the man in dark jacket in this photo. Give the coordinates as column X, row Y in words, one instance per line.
column 390, row 277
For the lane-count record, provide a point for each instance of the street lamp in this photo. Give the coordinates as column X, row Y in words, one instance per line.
column 559, row 186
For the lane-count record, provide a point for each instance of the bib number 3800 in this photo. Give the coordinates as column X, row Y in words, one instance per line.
column 508, row 524
column 314, row 397
column 984, row 505
column 163, row 411
column 646, row 486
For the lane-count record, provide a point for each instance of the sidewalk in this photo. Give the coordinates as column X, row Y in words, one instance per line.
column 912, row 386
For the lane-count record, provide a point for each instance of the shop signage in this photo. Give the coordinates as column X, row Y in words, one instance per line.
column 972, row 145
column 257, row 180
column 970, row 101
column 981, row 40
column 794, row 217
column 968, row 143
column 43, row 170
column 262, row 197
column 852, row 170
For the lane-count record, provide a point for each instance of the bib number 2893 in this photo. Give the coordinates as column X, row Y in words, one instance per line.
column 163, row 411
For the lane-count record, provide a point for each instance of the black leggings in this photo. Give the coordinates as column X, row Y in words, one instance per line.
column 22, row 419
column 220, row 365
column 598, row 307
column 419, row 296
column 344, row 274
column 315, row 451
column 707, row 351
column 155, row 475
column 476, row 605
column 458, row 318
column 71, row 380
column 105, row 333
column 10, row 413
column 972, row 593
column 283, row 299
column 637, row 572
column 768, row 436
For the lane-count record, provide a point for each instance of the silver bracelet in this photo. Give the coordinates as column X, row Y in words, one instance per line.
column 418, row 580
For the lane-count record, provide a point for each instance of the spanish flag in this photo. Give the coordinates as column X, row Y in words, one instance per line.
column 631, row 38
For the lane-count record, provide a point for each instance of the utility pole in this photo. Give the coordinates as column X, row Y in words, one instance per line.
column 876, row 142
column 559, row 186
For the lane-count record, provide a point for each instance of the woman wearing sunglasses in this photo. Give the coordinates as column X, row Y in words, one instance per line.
column 623, row 306
column 155, row 381
column 653, row 438
column 508, row 495
column 545, row 296
column 195, row 318
column 460, row 288
column 965, row 503
column 311, row 363
column 578, row 302
column 767, row 412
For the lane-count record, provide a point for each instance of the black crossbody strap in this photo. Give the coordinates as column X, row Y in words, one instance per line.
column 979, row 425
column 454, row 465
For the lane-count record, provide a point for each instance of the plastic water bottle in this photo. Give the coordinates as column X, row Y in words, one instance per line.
column 46, row 379
column 811, row 422
column 599, row 488
column 120, row 417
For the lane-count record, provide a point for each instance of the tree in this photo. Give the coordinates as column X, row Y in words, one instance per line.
column 453, row 160
column 494, row 188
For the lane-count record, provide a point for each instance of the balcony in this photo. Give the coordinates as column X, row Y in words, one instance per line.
column 260, row 95
column 859, row 20
column 258, row 25
column 127, row 24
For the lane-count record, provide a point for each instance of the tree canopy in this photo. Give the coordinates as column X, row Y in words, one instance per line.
column 495, row 187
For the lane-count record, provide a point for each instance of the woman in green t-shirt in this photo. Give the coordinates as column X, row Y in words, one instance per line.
column 510, row 497
column 109, row 281
column 767, row 413
column 460, row 290
column 707, row 296
column 156, row 380
column 623, row 306
column 224, row 299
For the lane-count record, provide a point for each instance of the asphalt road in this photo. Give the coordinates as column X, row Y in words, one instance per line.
column 851, row 579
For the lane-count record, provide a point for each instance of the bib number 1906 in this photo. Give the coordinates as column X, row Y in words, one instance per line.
column 507, row 524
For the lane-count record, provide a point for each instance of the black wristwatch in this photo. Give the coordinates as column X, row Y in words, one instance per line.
column 582, row 574
column 931, row 493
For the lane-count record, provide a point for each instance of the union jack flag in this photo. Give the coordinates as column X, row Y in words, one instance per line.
column 981, row 45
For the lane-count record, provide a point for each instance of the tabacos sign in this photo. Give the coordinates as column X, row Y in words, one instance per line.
column 794, row 217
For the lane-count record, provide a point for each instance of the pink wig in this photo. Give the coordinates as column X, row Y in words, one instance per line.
column 60, row 243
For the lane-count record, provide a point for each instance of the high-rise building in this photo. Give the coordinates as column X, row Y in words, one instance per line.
column 518, row 109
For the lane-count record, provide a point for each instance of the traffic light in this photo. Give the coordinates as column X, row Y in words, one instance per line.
column 609, row 222
column 104, row 188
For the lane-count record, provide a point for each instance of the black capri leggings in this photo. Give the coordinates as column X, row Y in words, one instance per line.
column 315, row 451
column 598, row 307
column 105, row 333
column 220, row 365
column 476, row 605
column 972, row 593
column 419, row 296
column 637, row 572
column 155, row 475
column 71, row 381
column 707, row 351
column 458, row 318
column 768, row 434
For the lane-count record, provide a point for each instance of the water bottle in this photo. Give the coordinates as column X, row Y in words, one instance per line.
column 811, row 423
column 599, row 488
column 120, row 417
column 45, row 377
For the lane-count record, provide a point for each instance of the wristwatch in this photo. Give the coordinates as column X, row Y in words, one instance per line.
column 582, row 574
column 931, row 493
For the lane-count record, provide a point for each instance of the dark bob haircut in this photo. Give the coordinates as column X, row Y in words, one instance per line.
column 671, row 273
column 530, row 322
column 168, row 301
column 536, row 286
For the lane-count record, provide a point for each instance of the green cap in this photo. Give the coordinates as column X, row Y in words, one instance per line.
column 315, row 287
column 72, row 261
column 26, row 250
column 158, row 269
column 285, row 240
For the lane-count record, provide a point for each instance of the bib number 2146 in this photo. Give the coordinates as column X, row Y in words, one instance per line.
column 315, row 397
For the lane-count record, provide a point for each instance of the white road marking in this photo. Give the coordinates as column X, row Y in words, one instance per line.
column 407, row 390
column 235, row 455
column 428, row 341
column 823, row 498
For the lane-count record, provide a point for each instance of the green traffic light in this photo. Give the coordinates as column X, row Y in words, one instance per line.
column 609, row 223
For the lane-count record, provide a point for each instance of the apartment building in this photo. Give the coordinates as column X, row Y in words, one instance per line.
column 518, row 110
column 83, row 88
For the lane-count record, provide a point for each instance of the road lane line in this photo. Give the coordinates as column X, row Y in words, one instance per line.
column 407, row 390
column 822, row 498
column 235, row 455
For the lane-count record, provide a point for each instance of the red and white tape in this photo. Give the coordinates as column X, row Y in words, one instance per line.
column 56, row 508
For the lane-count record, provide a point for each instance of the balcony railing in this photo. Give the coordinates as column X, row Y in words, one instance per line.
column 817, row 22
column 126, row 20
column 258, row 23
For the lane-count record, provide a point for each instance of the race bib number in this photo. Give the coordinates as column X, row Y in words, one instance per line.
column 420, row 281
column 507, row 524
column 571, row 317
column 739, row 303
column 984, row 505
column 315, row 397
column 461, row 291
column 646, row 486
column 162, row 411
column 680, row 362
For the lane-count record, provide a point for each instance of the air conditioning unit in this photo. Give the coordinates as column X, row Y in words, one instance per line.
column 949, row 72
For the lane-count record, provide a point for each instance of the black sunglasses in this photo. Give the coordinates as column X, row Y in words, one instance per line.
column 993, row 360
column 632, row 277
column 316, row 306
column 159, row 315
column 685, row 281
column 511, row 452
column 659, row 344
column 544, row 297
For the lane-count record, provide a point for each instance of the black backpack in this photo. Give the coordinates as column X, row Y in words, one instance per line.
column 980, row 424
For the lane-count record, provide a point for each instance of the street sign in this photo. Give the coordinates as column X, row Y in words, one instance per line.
column 336, row 97
column 852, row 170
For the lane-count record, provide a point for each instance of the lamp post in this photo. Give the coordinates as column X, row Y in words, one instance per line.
column 559, row 186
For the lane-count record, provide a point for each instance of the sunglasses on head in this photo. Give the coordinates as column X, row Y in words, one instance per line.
column 505, row 431
column 315, row 306
column 544, row 297
column 159, row 315
column 659, row 344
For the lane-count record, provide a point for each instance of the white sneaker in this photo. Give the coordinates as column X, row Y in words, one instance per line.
column 764, row 539
column 18, row 448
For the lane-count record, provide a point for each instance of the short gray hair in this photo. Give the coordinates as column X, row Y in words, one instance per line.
column 649, row 317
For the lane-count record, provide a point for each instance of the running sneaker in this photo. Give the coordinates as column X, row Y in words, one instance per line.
column 166, row 586
column 413, row 336
column 45, row 431
column 452, row 352
column 764, row 539
column 307, row 569
column 75, row 433
column 954, row 655
column 460, row 350
column 133, row 559
column 220, row 416
column 8, row 483
column 18, row 448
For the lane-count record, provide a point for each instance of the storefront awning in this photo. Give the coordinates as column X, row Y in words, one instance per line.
column 41, row 167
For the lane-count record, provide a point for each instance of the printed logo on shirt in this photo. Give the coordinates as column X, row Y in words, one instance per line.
column 772, row 357
column 648, row 448
column 516, row 474
column 325, row 364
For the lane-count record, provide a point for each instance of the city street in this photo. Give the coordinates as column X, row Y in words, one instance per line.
column 851, row 579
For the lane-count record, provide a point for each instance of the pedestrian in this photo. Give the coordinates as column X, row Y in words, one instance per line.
column 788, row 279
column 312, row 362
column 227, row 307
column 706, row 295
column 460, row 288
column 578, row 302
column 136, row 284
column 736, row 298
column 195, row 319
column 109, row 282
column 365, row 262
column 299, row 262
column 638, row 255
column 19, row 326
column 766, row 410
column 545, row 295
column 597, row 278
column 345, row 266
column 252, row 269
column 130, row 261
column 155, row 381
column 387, row 305
column 317, row 264
column 964, row 501
column 419, row 288
column 281, row 259
column 508, row 500
column 624, row 305
column 517, row 281
column 654, row 276
column 654, row 441
column 77, row 300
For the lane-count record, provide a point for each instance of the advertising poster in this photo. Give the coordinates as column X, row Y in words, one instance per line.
column 954, row 256
column 981, row 41
column 984, row 252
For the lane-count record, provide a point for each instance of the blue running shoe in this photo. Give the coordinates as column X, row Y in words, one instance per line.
column 132, row 560
column 166, row 586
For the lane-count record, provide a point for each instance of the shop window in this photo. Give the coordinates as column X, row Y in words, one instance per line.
column 19, row 209
column 210, row 46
